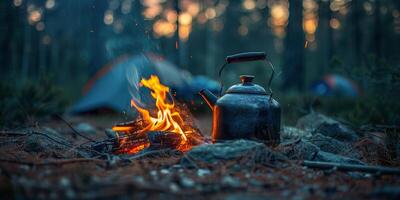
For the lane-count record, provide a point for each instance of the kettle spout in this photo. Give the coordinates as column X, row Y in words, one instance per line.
column 208, row 97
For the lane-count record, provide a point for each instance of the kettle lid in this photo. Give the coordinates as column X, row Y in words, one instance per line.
column 246, row 87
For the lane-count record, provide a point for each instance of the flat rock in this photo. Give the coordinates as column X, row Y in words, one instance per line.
column 290, row 132
column 319, row 123
column 255, row 152
column 331, row 145
column 299, row 150
column 304, row 150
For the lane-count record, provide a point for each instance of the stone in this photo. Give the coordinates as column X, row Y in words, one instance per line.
column 231, row 181
column 305, row 150
column 290, row 132
column 337, row 131
column 110, row 133
column 203, row 172
column 331, row 145
column 187, row 182
column 299, row 150
column 319, row 123
column 174, row 187
column 85, row 128
column 255, row 152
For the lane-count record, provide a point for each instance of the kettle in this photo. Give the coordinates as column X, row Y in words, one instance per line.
column 245, row 110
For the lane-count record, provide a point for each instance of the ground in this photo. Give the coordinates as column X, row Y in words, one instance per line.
column 49, row 161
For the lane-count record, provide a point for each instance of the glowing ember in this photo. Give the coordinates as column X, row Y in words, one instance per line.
column 167, row 119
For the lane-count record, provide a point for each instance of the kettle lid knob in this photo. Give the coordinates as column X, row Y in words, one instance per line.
column 246, row 78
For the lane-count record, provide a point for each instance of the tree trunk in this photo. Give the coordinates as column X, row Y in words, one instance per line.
column 324, row 38
column 377, row 33
column 293, row 63
column 97, row 48
column 357, row 34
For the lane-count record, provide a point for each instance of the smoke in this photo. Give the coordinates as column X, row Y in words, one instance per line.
column 133, row 78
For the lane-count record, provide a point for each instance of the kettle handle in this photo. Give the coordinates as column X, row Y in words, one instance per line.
column 247, row 57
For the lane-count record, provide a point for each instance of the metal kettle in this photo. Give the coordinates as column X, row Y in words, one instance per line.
column 245, row 111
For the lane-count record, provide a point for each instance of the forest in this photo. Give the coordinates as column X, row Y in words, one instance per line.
column 156, row 99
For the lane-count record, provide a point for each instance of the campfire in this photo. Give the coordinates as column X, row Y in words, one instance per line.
column 169, row 125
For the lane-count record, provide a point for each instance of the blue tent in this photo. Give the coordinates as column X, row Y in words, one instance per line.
column 335, row 85
column 113, row 86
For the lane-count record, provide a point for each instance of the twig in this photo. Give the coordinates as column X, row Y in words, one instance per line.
column 73, row 129
column 53, row 162
column 147, row 153
column 351, row 167
column 52, row 139
column 12, row 133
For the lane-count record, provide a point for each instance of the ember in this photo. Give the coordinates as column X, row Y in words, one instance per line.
column 134, row 136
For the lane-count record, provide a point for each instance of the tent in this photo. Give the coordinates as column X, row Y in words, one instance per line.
column 113, row 86
column 336, row 85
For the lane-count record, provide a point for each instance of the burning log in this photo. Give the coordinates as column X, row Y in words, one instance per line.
column 171, row 127
column 164, row 140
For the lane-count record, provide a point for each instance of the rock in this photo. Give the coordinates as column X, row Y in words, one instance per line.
column 331, row 145
column 330, row 157
column 174, row 187
column 255, row 152
column 231, row 181
column 203, row 172
column 299, row 150
column 85, row 128
column 337, row 131
column 187, row 182
column 290, row 132
column 318, row 123
column 305, row 150
column 64, row 182
column 110, row 133
column 165, row 171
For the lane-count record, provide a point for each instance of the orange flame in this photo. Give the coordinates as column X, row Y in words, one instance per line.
column 168, row 118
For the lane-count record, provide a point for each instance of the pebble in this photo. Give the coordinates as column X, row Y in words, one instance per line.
column 231, row 181
column 85, row 128
column 110, row 133
column 139, row 180
column 65, row 182
column 153, row 173
column 24, row 167
column 187, row 182
column 174, row 187
column 203, row 172
column 164, row 171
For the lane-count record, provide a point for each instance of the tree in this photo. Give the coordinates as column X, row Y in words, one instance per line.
column 293, row 58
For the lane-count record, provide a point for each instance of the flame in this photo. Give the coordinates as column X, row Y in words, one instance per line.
column 167, row 118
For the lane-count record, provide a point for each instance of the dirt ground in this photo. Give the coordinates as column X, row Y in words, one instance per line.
column 43, row 170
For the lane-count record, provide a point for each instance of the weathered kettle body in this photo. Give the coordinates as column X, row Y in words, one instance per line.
column 245, row 111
